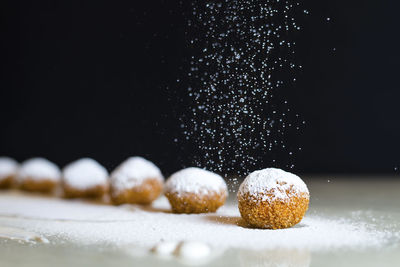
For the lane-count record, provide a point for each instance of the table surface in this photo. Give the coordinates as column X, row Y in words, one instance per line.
column 379, row 196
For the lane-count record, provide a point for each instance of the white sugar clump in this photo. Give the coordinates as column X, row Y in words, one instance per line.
column 165, row 248
column 272, row 184
column 195, row 180
column 187, row 251
column 133, row 171
column 39, row 169
column 193, row 251
column 84, row 173
column 8, row 167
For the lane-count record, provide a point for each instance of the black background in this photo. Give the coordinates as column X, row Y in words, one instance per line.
column 99, row 79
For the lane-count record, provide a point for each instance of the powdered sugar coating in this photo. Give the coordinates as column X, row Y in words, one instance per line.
column 39, row 169
column 133, row 171
column 195, row 180
column 272, row 184
column 8, row 167
column 84, row 173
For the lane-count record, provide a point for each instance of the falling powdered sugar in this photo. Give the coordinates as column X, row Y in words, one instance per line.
column 272, row 184
column 84, row 173
column 241, row 64
column 195, row 180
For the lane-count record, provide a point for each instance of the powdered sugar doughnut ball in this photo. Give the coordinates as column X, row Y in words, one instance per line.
column 38, row 174
column 273, row 198
column 84, row 178
column 194, row 190
column 136, row 180
column 8, row 172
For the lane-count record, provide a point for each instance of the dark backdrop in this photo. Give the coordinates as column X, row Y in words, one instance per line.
column 98, row 79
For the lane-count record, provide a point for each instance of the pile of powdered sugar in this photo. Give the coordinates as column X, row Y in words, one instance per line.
column 133, row 172
column 195, row 180
column 272, row 180
column 84, row 223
